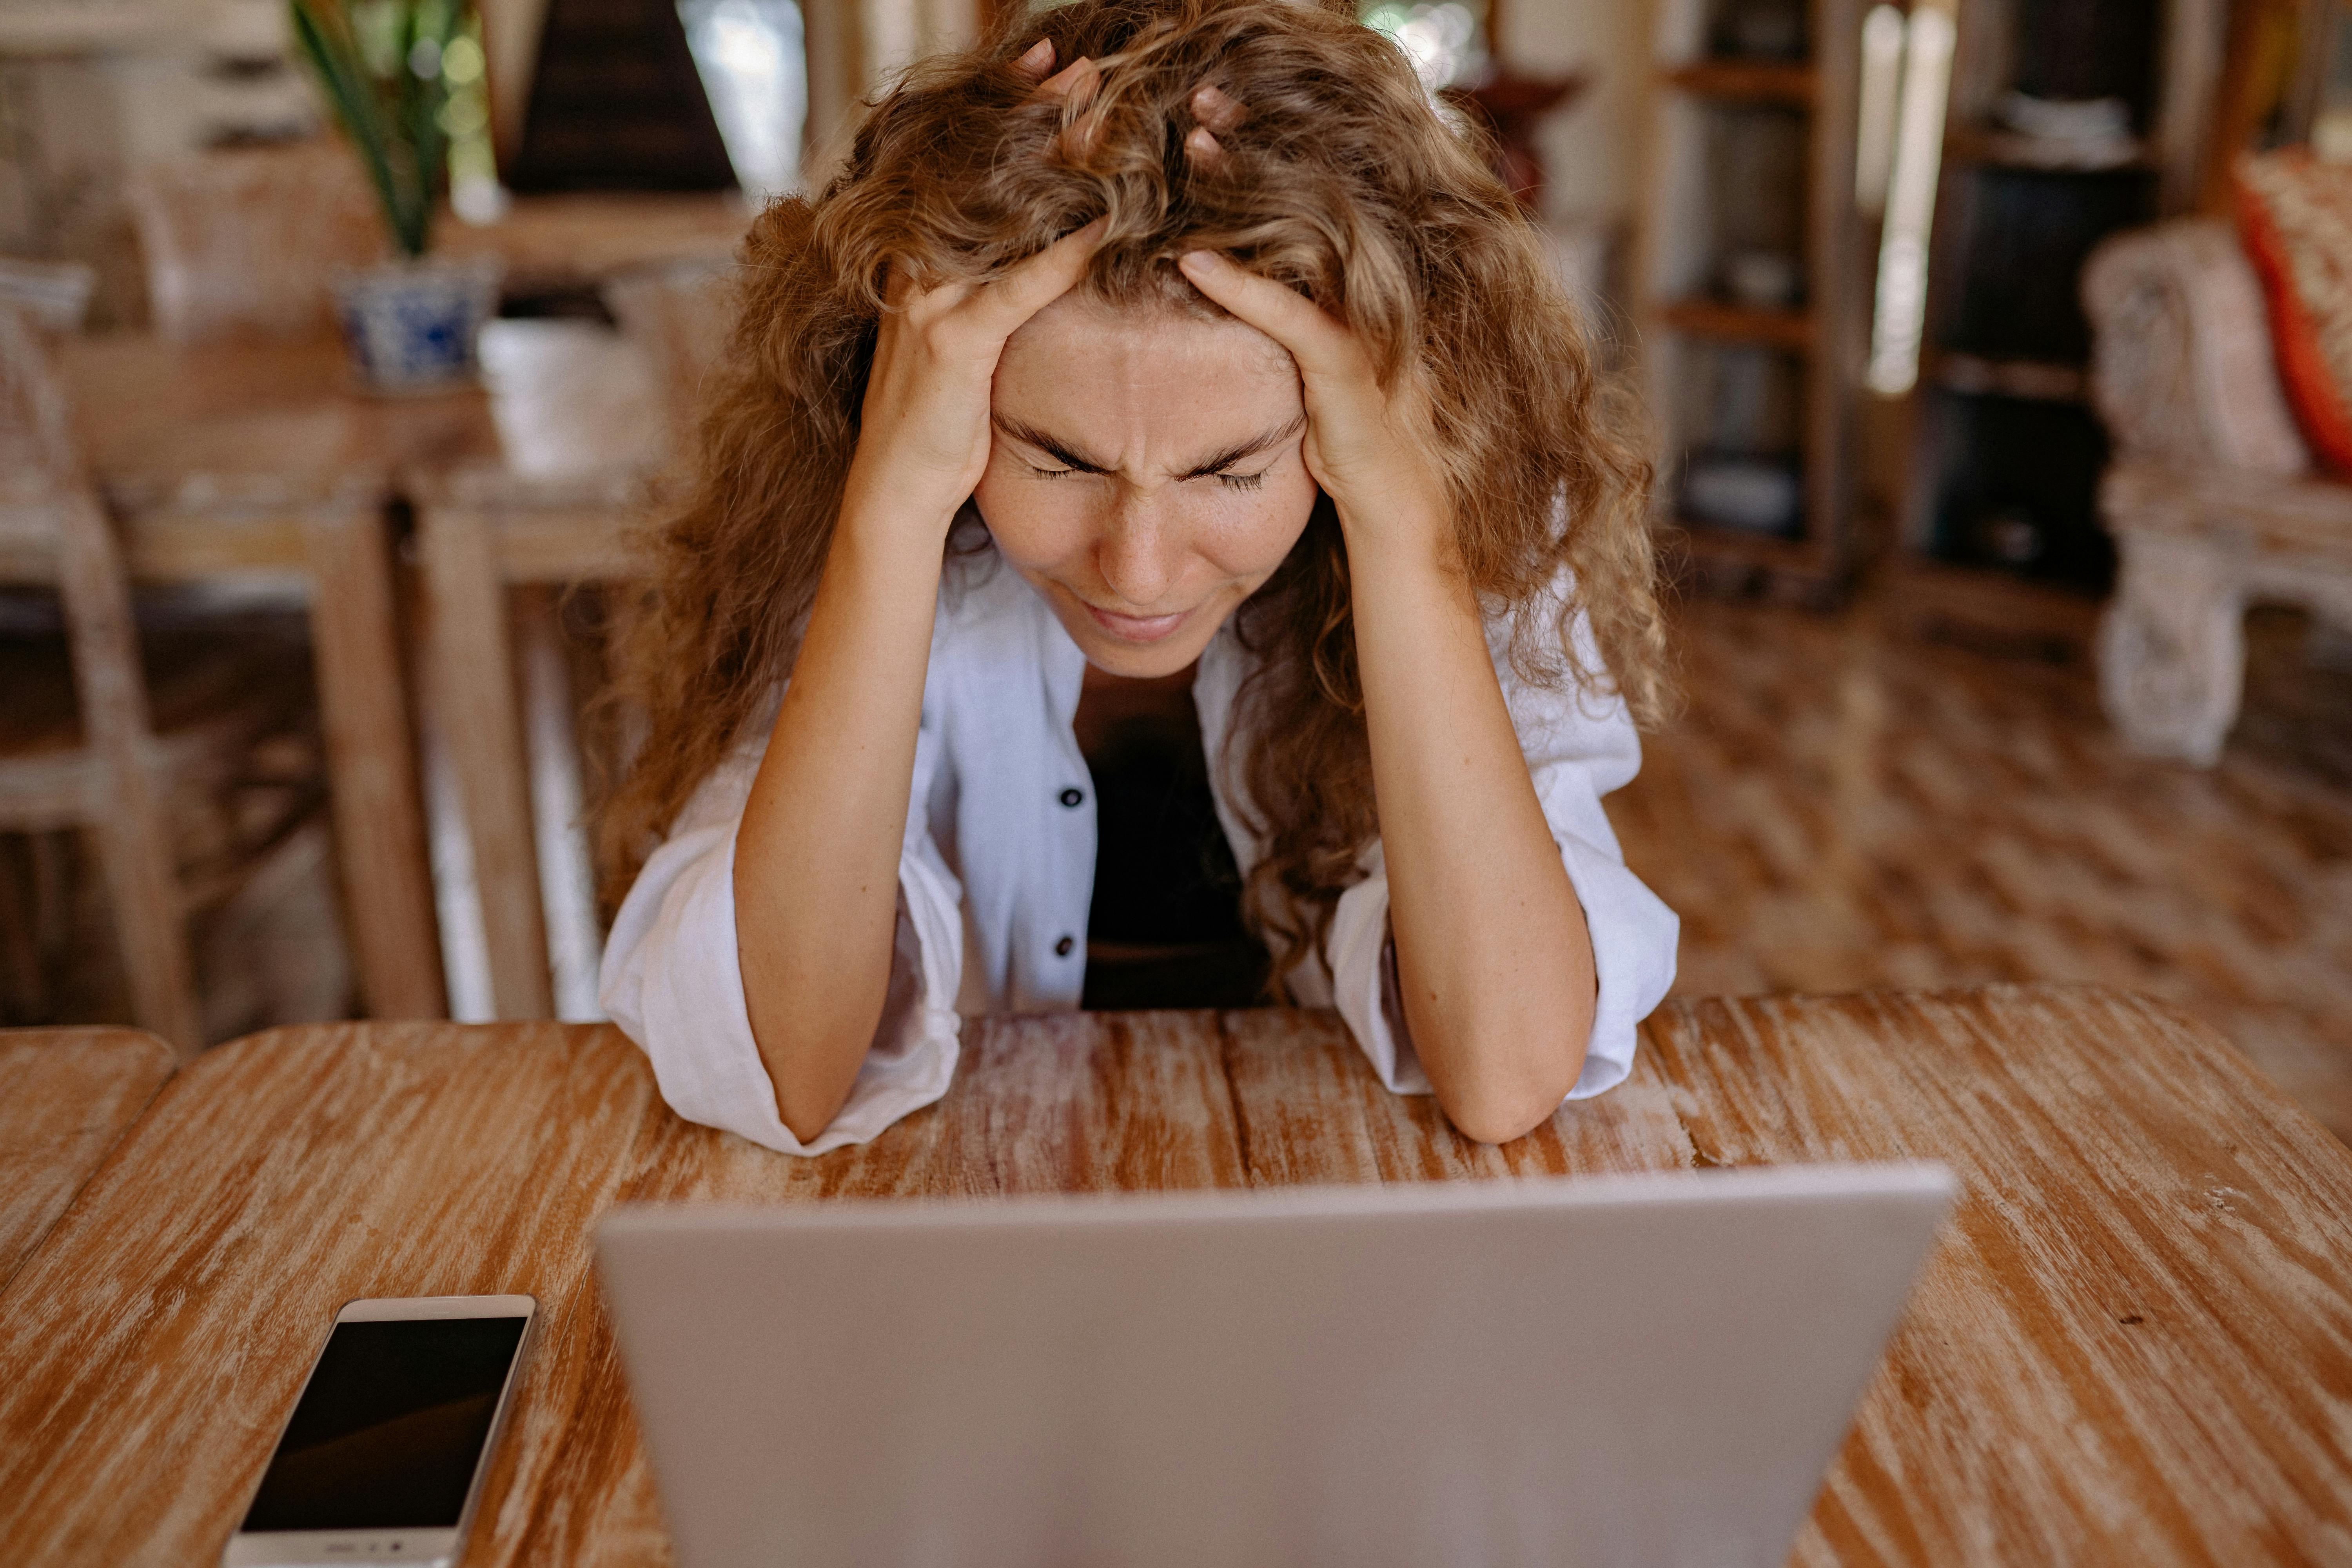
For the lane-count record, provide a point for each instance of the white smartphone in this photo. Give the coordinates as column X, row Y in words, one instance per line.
column 382, row 1458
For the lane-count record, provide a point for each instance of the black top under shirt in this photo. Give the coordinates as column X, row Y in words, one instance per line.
column 1165, row 929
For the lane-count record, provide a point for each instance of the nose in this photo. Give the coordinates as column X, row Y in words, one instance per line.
column 1138, row 553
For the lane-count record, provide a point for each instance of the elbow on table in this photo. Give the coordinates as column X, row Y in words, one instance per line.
column 1509, row 1101
column 1499, row 1118
column 810, row 1081
column 807, row 1121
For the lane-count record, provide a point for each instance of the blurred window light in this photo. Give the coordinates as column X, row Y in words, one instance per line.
column 474, row 194
column 1881, row 70
column 754, row 68
column 461, row 62
column 1443, row 41
column 1900, row 316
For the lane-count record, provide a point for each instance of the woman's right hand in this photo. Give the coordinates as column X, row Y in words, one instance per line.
column 923, row 439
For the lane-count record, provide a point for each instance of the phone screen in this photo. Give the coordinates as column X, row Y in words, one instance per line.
column 387, row 1433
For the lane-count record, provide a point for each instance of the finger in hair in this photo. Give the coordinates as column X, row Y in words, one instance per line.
column 1076, row 83
column 1076, row 88
column 1201, row 148
column 1282, row 313
column 1036, row 282
column 1037, row 60
column 1216, row 110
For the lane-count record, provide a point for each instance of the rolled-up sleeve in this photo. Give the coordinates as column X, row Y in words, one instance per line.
column 1577, row 747
column 673, row 978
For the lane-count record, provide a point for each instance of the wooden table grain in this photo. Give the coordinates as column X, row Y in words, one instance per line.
column 2133, row 1343
column 65, row 1096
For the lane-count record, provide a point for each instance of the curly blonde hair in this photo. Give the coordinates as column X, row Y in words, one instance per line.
column 1344, row 183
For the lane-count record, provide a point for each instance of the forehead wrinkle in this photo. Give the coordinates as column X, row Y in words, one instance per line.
column 1222, row 458
column 1111, row 389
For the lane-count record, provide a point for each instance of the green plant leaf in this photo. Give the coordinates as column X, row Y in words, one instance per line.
column 365, row 54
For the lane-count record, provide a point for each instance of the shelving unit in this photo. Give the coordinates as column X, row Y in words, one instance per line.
column 1747, row 283
column 2000, row 520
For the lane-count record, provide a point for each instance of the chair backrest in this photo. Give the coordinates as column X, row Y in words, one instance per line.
column 2181, row 364
column 242, row 243
column 38, row 465
column 680, row 314
column 44, row 487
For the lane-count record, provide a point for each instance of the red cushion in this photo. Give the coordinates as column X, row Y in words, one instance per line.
column 2295, row 214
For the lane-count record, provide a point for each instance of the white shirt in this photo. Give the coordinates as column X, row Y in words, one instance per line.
column 993, row 853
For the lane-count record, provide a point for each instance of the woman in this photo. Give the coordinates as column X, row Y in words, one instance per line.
column 1207, row 379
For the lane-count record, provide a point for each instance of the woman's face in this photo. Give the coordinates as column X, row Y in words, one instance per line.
column 1146, row 476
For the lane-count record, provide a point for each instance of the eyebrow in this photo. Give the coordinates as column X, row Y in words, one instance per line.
column 1062, row 452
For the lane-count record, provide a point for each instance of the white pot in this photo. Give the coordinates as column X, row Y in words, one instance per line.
column 411, row 325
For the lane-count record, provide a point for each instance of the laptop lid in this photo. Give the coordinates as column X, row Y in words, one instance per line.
column 1616, row 1370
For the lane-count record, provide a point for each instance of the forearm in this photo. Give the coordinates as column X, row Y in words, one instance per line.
column 816, row 858
column 1494, row 961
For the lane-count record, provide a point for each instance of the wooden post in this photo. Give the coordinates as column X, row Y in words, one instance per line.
column 372, row 763
column 473, row 667
column 133, row 831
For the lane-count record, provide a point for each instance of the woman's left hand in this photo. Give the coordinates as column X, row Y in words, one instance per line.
column 1371, row 448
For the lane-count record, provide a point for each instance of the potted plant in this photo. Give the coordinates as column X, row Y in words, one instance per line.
column 411, row 321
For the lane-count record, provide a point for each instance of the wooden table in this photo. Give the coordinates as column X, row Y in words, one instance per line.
column 570, row 242
column 2134, row 1344
column 261, row 466
column 65, row 1096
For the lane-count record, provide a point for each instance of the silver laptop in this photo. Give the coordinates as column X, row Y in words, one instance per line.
column 1621, row 1371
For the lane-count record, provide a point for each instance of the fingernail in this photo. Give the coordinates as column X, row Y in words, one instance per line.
column 1211, row 104
column 1040, row 55
column 1197, row 261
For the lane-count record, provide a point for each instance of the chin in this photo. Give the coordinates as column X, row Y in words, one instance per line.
column 1134, row 663
column 1139, row 660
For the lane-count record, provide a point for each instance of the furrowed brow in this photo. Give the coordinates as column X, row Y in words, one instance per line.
column 1249, row 449
column 1059, row 451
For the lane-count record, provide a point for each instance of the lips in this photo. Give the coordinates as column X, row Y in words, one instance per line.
column 1137, row 629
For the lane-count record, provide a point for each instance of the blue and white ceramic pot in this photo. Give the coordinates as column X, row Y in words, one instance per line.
column 412, row 325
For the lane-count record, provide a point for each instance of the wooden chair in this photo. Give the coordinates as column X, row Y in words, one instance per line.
column 279, row 480
column 242, row 243
column 85, row 751
column 2213, row 496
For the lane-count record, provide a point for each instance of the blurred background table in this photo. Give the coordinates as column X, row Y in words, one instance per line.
column 65, row 1096
column 571, row 244
column 2129, row 1347
column 261, row 467
column 258, row 468
column 247, row 473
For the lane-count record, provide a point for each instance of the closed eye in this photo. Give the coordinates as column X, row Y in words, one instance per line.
column 1241, row 481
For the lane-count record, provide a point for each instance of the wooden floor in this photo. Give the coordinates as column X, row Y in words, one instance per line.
column 1839, row 807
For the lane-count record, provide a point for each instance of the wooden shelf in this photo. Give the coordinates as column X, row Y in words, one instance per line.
column 2035, row 380
column 1994, row 147
column 1753, row 82
column 1791, row 330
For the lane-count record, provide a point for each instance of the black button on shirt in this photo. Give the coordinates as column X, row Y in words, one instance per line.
column 1062, row 948
column 1073, row 798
